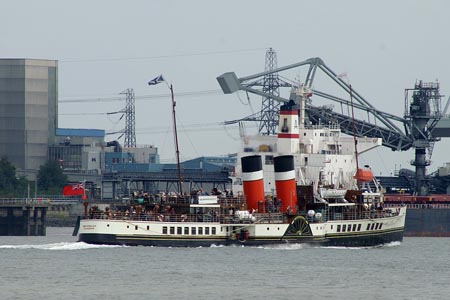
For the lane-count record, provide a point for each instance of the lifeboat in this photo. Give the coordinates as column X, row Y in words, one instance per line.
column 364, row 175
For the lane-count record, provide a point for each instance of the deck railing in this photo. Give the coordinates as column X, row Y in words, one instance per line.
column 423, row 206
column 203, row 218
column 358, row 215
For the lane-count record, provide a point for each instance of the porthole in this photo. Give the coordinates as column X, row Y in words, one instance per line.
column 107, row 225
column 267, row 228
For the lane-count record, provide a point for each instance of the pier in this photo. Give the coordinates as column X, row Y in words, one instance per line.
column 23, row 217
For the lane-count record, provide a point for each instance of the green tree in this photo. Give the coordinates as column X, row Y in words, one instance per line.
column 51, row 179
column 10, row 184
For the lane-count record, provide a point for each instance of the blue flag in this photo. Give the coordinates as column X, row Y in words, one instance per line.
column 156, row 80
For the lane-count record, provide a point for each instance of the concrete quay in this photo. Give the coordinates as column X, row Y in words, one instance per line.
column 23, row 217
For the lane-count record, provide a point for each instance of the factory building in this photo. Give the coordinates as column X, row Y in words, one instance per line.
column 28, row 110
column 78, row 149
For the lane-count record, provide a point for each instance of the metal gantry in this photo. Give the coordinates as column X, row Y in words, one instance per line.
column 130, row 120
column 129, row 132
column 270, row 108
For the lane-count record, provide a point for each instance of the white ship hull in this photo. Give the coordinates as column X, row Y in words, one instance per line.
column 353, row 233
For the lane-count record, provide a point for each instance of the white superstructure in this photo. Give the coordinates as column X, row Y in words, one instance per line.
column 323, row 154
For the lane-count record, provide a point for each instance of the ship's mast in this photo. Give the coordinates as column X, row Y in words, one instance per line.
column 354, row 130
column 175, row 134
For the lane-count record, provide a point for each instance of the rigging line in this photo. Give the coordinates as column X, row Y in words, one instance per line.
column 228, row 133
column 110, row 120
column 240, row 100
column 79, row 114
column 381, row 159
column 188, row 126
column 187, row 136
column 94, row 60
column 160, row 131
column 166, row 135
column 157, row 96
column 187, row 130
column 250, row 104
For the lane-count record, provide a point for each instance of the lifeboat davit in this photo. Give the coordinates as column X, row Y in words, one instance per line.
column 364, row 175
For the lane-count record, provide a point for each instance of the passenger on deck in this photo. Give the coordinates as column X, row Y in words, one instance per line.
column 107, row 213
column 172, row 214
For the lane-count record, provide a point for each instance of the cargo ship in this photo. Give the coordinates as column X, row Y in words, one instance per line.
column 301, row 186
column 428, row 216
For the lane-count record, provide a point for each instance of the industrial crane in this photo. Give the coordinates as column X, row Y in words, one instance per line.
column 423, row 122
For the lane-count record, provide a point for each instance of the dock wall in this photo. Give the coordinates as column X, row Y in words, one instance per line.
column 21, row 218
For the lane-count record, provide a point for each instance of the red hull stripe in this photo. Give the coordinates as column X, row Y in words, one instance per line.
column 288, row 112
column 288, row 135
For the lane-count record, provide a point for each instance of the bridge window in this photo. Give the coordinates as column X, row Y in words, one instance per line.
column 285, row 127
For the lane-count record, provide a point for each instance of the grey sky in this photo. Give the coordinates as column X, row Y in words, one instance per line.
column 105, row 47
